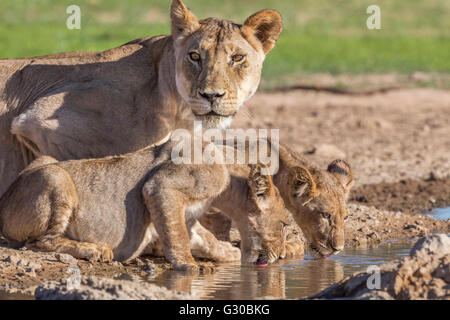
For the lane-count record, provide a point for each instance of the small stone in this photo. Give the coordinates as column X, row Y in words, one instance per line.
column 149, row 268
column 373, row 235
column 116, row 264
column 13, row 259
column 327, row 151
column 434, row 244
column 138, row 262
column 66, row 258
column 363, row 230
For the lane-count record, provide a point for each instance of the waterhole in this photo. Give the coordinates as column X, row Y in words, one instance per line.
column 286, row 279
column 440, row 213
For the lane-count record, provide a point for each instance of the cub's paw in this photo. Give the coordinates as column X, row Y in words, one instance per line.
column 107, row 254
column 100, row 253
column 232, row 253
column 225, row 252
column 187, row 267
column 207, row 269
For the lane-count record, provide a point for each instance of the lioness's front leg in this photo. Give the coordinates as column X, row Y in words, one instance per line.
column 170, row 193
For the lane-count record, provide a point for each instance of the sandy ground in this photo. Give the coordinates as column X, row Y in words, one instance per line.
column 398, row 143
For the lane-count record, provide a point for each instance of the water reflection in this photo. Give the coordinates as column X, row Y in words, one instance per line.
column 287, row 279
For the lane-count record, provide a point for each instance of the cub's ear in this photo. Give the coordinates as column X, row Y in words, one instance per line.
column 343, row 173
column 184, row 22
column 266, row 26
column 260, row 185
column 302, row 184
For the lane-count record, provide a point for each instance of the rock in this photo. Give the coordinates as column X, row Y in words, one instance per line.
column 13, row 259
column 373, row 235
column 149, row 268
column 424, row 274
column 375, row 295
column 433, row 244
column 94, row 288
column 66, row 258
column 328, row 151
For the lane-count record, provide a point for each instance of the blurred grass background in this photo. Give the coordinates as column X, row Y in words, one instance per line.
column 319, row 36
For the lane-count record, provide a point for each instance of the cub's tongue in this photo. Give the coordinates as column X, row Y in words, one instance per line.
column 261, row 262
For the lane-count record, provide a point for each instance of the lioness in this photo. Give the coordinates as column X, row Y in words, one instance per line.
column 100, row 209
column 91, row 105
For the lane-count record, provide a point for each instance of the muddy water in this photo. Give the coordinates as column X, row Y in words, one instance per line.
column 288, row 279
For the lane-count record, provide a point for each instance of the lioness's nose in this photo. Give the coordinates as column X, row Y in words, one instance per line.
column 211, row 96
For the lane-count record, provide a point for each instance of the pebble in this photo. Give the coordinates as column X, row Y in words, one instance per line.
column 66, row 258
column 149, row 268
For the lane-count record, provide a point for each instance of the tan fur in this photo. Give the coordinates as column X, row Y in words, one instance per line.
column 311, row 194
column 90, row 105
column 98, row 209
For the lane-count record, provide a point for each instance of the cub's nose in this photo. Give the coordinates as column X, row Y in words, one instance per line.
column 211, row 96
column 337, row 249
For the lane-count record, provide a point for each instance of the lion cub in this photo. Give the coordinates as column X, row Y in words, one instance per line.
column 114, row 207
column 316, row 199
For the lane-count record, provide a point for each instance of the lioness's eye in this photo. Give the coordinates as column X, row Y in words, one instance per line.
column 345, row 219
column 195, row 56
column 237, row 58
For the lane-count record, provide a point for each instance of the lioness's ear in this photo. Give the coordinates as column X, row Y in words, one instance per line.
column 266, row 26
column 184, row 22
column 260, row 185
column 342, row 171
column 302, row 184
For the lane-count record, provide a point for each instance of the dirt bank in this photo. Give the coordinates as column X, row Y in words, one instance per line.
column 386, row 137
column 411, row 196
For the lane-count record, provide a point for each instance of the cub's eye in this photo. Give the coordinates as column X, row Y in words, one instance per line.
column 345, row 219
column 237, row 58
column 194, row 56
column 284, row 224
column 325, row 215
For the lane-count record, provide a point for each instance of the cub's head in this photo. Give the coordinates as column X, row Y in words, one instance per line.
column 265, row 221
column 218, row 62
column 317, row 202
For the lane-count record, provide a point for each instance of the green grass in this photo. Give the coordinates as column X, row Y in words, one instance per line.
column 319, row 35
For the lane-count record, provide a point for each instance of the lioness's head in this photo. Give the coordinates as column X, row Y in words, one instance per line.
column 218, row 62
column 263, row 233
column 317, row 202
